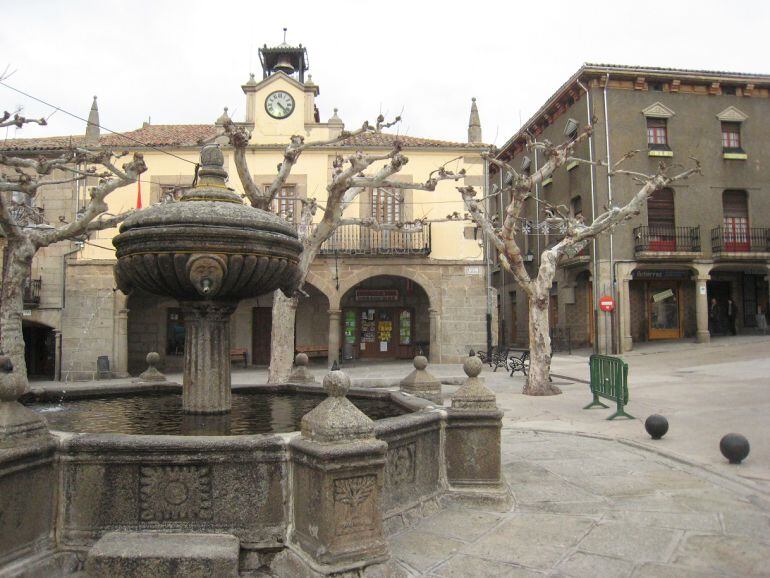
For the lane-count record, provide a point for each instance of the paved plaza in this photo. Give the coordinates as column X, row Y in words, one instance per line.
column 599, row 498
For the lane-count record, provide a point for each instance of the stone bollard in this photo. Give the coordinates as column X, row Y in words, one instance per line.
column 473, row 463
column 338, row 472
column 301, row 373
column 152, row 373
column 421, row 383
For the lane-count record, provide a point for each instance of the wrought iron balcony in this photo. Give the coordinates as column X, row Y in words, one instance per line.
column 740, row 240
column 31, row 292
column 360, row 240
column 665, row 239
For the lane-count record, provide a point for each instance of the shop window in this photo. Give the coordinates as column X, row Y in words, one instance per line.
column 175, row 333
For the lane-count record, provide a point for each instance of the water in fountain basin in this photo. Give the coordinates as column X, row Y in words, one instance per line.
column 161, row 414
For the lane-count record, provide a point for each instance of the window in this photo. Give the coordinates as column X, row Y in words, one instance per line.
column 661, row 222
column 657, row 133
column 577, row 207
column 285, row 204
column 731, row 136
column 735, row 221
column 386, row 206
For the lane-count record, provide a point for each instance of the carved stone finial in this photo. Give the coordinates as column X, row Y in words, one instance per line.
column 421, row 383
column 474, row 394
column 336, row 419
column 301, row 373
column 152, row 373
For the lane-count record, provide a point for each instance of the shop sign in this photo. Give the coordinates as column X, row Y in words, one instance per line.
column 376, row 294
column 472, row 270
column 662, row 295
column 660, row 274
column 607, row 304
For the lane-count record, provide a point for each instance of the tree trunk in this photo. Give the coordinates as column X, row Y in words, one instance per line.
column 539, row 378
column 19, row 257
column 282, row 338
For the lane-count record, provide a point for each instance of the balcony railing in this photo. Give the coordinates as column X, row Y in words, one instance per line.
column 740, row 240
column 31, row 292
column 665, row 239
column 362, row 240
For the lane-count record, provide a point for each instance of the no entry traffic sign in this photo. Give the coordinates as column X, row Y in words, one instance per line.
column 607, row 303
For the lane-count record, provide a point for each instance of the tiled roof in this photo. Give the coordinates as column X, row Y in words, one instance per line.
column 673, row 71
column 184, row 135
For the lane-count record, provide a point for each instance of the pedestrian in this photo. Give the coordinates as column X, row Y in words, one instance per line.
column 713, row 316
column 731, row 311
column 761, row 320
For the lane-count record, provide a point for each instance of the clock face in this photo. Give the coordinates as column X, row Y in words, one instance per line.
column 279, row 104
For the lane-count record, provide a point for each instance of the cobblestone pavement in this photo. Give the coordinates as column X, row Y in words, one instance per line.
column 591, row 507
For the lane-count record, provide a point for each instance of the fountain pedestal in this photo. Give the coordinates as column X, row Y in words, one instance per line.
column 206, row 384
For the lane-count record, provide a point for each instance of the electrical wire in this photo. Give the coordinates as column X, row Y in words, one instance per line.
column 40, row 100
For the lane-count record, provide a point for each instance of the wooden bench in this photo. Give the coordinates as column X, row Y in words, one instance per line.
column 313, row 350
column 609, row 379
column 240, row 354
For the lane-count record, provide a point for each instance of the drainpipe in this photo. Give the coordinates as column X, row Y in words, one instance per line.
column 487, row 261
column 594, row 244
column 609, row 199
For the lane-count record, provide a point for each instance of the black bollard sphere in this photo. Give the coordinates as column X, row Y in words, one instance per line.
column 656, row 425
column 735, row 447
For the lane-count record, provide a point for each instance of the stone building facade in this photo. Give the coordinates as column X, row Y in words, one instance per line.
column 370, row 294
column 704, row 241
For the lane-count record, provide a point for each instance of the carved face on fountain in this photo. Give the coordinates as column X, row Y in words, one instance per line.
column 206, row 273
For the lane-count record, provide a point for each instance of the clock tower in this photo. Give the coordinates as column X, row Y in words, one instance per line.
column 283, row 102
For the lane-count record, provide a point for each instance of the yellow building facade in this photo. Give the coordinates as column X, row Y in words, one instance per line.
column 370, row 294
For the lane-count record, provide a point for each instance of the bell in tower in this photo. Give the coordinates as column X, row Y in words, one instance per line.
column 291, row 60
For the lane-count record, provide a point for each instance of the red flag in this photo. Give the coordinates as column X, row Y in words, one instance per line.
column 138, row 194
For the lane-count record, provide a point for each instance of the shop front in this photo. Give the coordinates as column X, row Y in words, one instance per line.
column 663, row 292
column 384, row 322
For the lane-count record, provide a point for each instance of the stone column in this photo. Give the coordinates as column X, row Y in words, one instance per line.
column 624, row 304
column 434, row 354
column 335, row 317
column 206, row 384
column 57, row 353
column 338, row 469
column 473, row 462
column 702, row 309
column 120, row 336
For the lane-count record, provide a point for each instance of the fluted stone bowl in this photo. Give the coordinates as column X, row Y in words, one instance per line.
column 258, row 250
column 207, row 246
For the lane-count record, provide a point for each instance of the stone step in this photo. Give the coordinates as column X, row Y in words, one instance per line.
column 162, row 555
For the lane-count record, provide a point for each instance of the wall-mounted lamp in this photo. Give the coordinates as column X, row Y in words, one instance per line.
column 525, row 163
column 571, row 127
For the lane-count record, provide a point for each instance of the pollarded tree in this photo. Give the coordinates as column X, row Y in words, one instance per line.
column 577, row 233
column 22, row 181
column 349, row 179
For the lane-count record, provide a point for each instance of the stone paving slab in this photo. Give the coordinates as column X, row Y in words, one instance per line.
column 673, row 520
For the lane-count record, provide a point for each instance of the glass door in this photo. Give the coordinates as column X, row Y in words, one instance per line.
column 663, row 306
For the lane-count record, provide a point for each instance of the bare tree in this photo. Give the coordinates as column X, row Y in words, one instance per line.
column 349, row 179
column 576, row 233
column 22, row 180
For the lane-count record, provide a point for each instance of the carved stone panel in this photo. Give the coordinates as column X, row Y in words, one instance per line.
column 401, row 464
column 355, row 504
column 174, row 493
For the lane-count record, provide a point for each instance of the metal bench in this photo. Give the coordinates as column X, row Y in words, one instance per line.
column 518, row 360
column 497, row 357
column 609, row 379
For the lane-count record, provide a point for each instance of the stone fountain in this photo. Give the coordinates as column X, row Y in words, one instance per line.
column 208, row 251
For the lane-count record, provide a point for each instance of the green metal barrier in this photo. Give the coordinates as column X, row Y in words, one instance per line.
column 609, row 379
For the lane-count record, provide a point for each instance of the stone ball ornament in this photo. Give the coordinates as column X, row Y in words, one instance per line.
column 420, row 362
column 153, row 358
column 735, row 447
column 301, row 359
column 472, row 366
column 656, row 425
column 336, row 383
column 207, row 246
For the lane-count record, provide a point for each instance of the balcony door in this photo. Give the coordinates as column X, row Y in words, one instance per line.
column 736, row 221
column 386, row 209
column 660, row 218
